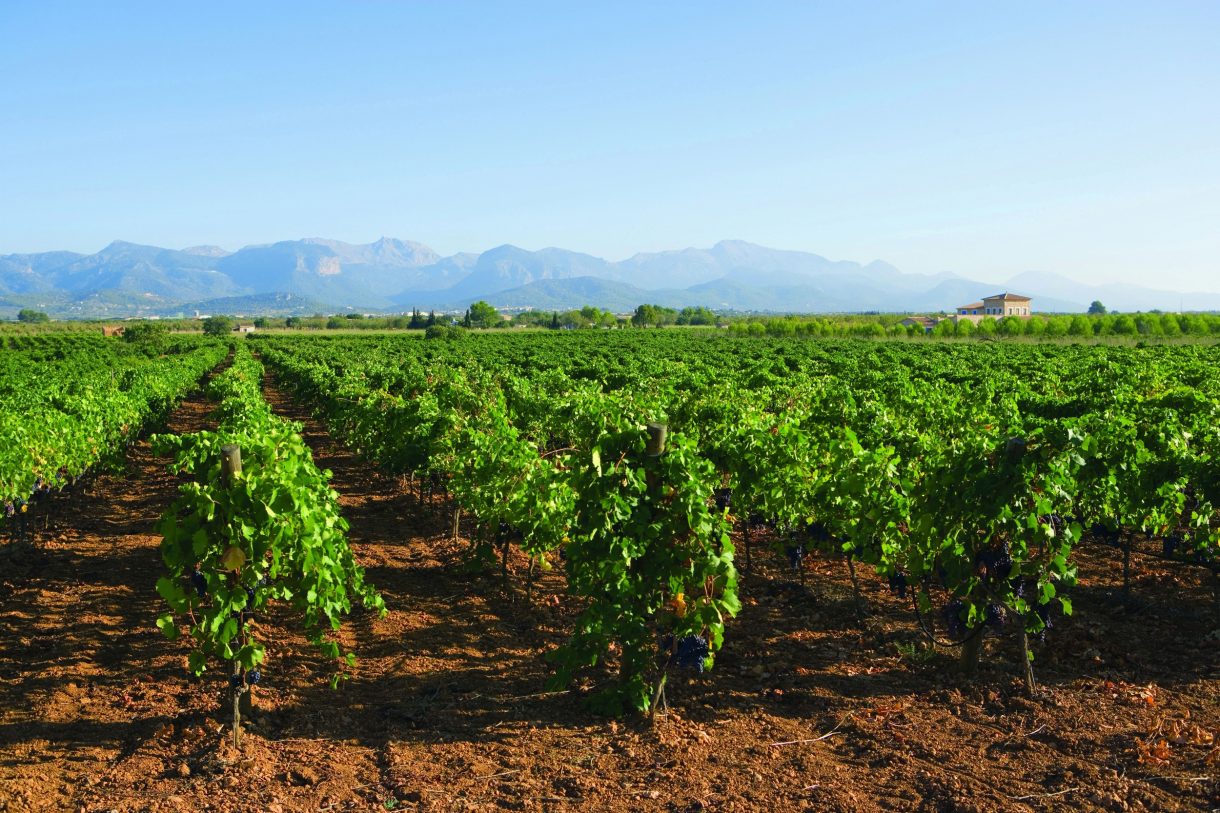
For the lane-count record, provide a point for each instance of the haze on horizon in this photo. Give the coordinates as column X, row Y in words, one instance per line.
column 980, row 139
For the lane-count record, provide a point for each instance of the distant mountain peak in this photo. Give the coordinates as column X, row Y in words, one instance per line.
column 206, row 251
column 127, row 278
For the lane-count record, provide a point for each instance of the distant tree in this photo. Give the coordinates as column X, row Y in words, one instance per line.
column 696, row 316
column 1011, row 326
column 654, row 315
column 218, row 326
column 417, row 320
column 146, row 333
column 481, row 314
column 1057, row 326
column 1124, row 325
column 292, row 321
column 30, row 315
column 334, row 323
column 355, row 316
column 431, row 319
column 1080, row 326
column 555, row 320
column 1096, row 308
column 439, row 331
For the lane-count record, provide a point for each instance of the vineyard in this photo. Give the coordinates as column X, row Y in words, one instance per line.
column 661, row 570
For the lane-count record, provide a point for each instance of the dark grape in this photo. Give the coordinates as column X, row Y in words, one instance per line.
column 1170, row 545
column 234, row 681
column 692, row 652
column 998, row 561
column 253, row 676
column 898, row 584
column 817, row 532
column 723, row 498
column 795, row 554
column 199, row 583
column 1044, row 612
column 996, row 616
column 952, row 615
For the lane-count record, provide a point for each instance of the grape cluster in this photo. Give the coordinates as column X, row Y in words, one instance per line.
column 997, row 561
column 253, row 676
column 1169, row 545
column 996, row 617
column 795, row 554
column 952, row 615
column 1107, row 535
column 692, row 652
column 723, row 498
column 1043, row 612
column 817, row 532
column 898, row 583
column 1055, row 521
column 507, row 533
column 199, row 583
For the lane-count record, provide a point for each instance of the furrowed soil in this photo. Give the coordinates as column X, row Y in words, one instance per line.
column 805, row 709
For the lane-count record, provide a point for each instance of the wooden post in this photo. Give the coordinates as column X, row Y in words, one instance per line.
column 239, row 681
column 230, row 469
column 457, row 522
column 230, row 463
column 1126, row 568
column 656, row 439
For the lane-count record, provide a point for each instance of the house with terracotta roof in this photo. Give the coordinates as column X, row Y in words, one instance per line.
column 927, row 323
column 996, row 307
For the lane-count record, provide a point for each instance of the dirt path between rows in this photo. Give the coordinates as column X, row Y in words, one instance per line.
column 447, row 711
column 84, row 676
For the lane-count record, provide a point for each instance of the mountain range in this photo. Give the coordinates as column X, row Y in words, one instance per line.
column 317, row 275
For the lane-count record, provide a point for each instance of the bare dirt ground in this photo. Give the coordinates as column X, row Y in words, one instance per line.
column 447, row 711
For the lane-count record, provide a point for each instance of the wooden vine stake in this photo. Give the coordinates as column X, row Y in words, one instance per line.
column 230, row 469
column 656, row 439
column 655, row 447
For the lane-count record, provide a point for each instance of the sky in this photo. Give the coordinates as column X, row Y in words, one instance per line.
column 983, row 139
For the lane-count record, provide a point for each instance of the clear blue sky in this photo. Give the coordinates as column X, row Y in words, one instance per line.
column 983, row 138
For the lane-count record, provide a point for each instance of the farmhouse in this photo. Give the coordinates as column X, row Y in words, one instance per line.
column 925, row 322
column 995, row 307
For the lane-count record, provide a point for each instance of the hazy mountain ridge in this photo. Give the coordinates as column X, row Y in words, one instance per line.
column 315, row 274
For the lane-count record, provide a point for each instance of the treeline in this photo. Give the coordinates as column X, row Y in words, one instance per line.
column 1049, row 326
column 482, row 316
